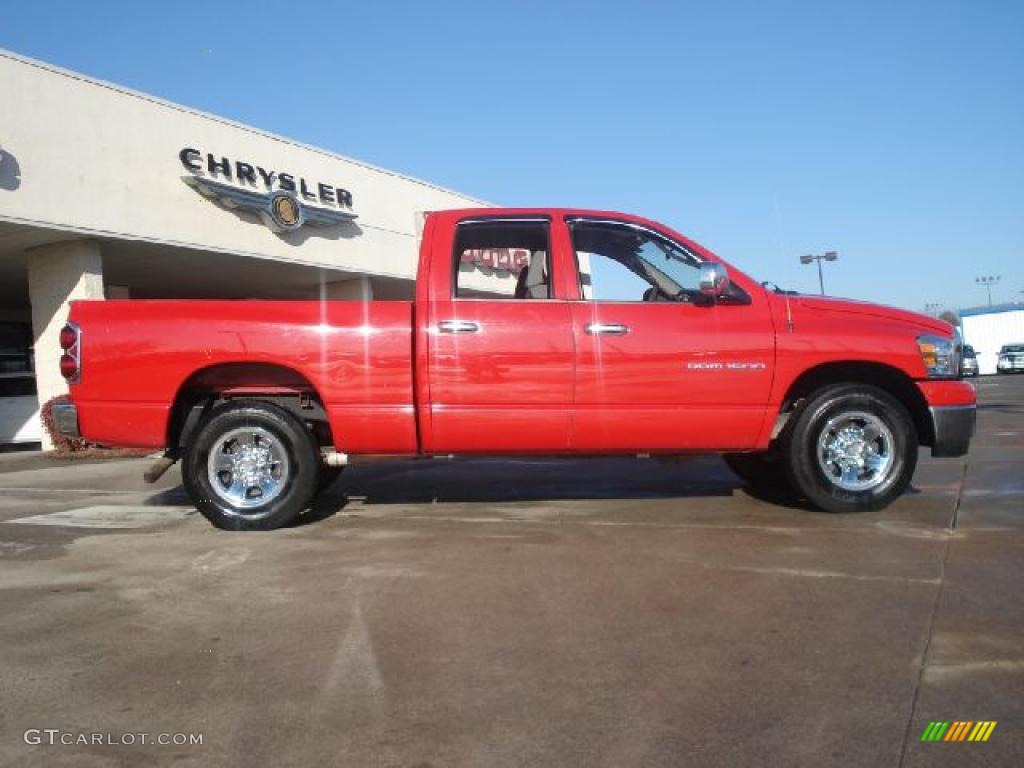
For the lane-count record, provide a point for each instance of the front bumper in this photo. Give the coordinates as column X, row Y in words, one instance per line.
column 65, row 417
column 952, row 405
column 953, row 426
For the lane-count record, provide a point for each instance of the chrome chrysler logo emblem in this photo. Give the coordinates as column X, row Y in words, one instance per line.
column 281, row 211
column 285, row 210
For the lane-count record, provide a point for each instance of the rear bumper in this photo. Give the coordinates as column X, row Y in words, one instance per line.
column 65, row 418
column 953, row 426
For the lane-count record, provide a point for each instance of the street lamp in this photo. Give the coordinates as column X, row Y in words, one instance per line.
column 932, row 309
column 827, row 256
column 988, row 281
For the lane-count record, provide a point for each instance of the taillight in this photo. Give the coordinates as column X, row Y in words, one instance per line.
column 71, row 360
column 68, row 367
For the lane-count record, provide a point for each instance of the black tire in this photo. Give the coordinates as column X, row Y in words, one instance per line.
column 289, row 451
column 327, row 477
column 760, row 471
column 820, row 420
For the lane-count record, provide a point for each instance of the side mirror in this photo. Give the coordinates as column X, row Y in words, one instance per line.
column 714, row 279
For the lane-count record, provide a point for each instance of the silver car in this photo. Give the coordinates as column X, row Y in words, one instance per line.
column 969, row 365
column 1011, row 358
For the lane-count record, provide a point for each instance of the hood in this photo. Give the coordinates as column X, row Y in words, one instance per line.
column 850, row 306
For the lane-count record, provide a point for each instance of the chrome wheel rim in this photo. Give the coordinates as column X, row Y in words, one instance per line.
column 248, row 468
column 855, row 451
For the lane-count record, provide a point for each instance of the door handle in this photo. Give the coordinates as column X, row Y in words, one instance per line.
column 606, row 329
column 457, row 326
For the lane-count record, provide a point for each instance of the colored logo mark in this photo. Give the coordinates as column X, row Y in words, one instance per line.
column 959, row 730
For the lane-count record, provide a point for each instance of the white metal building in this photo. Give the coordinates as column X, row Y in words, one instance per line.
column 987, row 329
column 110, row 193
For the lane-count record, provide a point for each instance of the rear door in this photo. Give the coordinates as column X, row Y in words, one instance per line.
column 500, row 353
column 658, row 367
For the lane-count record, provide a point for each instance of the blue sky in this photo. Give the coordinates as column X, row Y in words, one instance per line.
column 892, row 132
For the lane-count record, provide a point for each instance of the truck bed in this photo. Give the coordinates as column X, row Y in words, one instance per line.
column 139, row 356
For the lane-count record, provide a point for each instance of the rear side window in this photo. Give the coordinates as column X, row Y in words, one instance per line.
column 502, row 259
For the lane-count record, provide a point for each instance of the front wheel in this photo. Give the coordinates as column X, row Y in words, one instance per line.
column 252, row 466
column 853, row 448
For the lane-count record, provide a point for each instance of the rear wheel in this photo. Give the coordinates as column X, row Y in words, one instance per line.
column 251, row 466
column 852, row 448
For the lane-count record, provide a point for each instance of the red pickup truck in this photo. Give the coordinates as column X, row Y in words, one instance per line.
column 533, row 331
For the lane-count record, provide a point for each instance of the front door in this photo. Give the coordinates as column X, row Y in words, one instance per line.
column 658, row 367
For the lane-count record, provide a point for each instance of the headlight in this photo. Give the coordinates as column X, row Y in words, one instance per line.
column 941, row 356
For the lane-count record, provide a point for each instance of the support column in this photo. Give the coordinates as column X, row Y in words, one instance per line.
column 57, row 275
column 355, row 289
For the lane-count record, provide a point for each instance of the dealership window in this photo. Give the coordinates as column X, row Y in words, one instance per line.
column 622, row 262
column 502, row 259
column 15, row 348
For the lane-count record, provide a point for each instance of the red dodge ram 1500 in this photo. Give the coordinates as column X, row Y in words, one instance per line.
column 542, row 331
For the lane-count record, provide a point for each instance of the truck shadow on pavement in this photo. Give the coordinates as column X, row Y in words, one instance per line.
column 532, row 480
column 527, row 480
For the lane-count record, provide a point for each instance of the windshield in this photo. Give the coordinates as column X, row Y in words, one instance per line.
column 1014, row 348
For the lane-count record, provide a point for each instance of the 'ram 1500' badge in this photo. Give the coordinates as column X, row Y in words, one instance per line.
column 726, row 366
column 283, row 207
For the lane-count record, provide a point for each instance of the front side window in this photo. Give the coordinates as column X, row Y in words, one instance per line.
column 620, row 262
column 502, row 259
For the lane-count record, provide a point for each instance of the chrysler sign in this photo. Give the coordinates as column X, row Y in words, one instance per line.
column 283, row 201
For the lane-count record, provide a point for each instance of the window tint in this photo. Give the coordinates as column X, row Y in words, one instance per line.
column 502, row 260
column 618, row 262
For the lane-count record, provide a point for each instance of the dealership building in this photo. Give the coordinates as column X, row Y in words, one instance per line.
column 107, row 193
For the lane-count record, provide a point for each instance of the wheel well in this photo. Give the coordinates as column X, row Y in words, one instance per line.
column 885, row 377
column 209, row 388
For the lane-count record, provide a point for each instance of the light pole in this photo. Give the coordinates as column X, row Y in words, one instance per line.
column 827, row 256
column 988, row 281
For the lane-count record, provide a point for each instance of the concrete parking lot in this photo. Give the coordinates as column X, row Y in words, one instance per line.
column 522, row 613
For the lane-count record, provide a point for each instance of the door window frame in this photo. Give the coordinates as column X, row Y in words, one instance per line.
column 570, row 220
column 740, row 295
column 456, row 258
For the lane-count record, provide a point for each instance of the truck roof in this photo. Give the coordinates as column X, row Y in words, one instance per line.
column 593, row 213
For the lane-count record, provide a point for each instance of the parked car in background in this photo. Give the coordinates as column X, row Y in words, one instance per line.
column 970, row 361
column 1011, row 358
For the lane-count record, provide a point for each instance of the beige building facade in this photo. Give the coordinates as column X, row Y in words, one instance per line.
column 110, row 193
